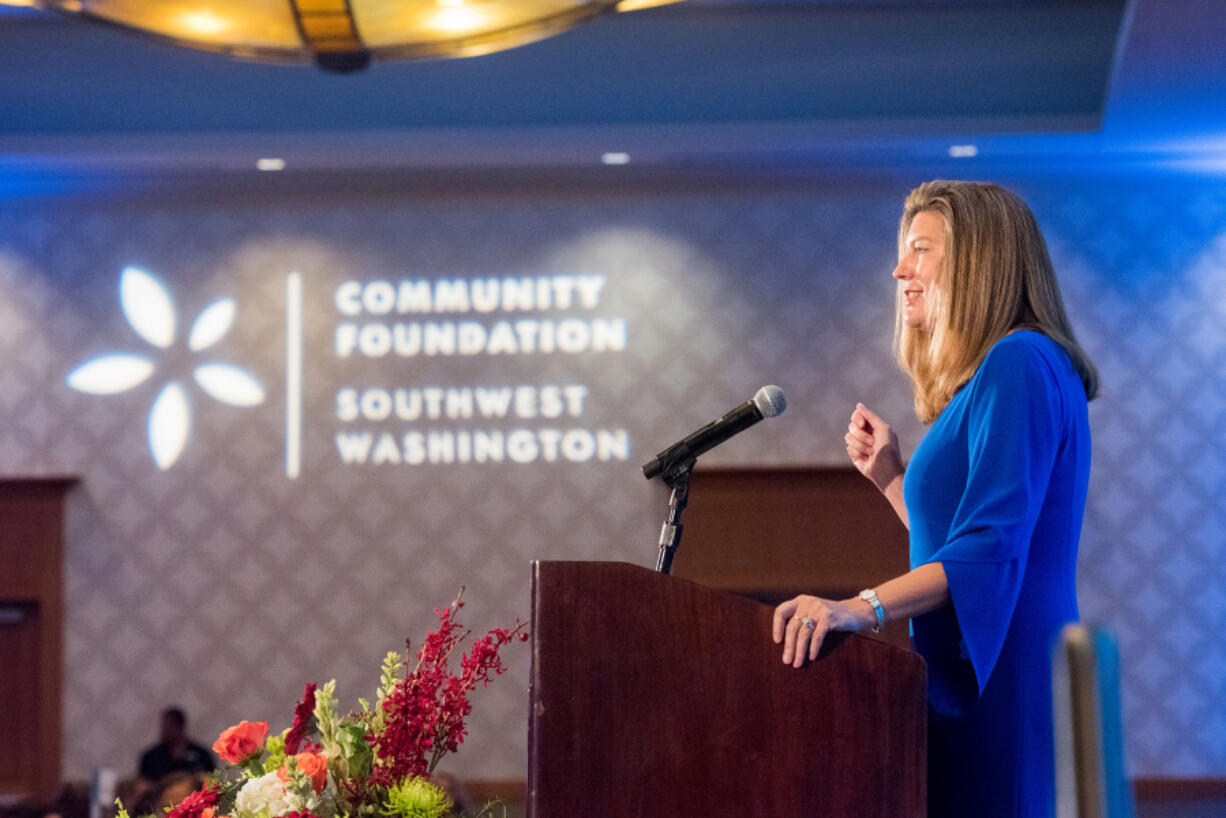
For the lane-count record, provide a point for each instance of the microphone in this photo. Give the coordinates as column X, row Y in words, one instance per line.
column 766, row 403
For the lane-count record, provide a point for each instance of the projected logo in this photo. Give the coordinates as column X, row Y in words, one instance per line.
column 149, row 309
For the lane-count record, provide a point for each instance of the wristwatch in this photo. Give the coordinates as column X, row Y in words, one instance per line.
column 870, row 596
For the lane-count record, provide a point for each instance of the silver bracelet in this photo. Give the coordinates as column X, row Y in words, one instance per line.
column 870, row 596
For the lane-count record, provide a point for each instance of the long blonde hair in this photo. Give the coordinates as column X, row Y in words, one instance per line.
column 997, row 278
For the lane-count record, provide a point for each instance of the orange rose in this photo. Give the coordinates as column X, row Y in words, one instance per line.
column 315, row 765
column 238, row 743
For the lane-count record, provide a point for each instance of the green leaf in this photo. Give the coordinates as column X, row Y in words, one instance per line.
column 356, row 749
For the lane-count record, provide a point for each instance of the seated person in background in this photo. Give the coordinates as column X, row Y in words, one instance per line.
column 132, row 793
column 72, row 801
column 175, row 752
column 173, row 789
column 168, row 792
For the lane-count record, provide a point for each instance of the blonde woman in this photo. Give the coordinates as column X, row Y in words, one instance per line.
column 993, row 496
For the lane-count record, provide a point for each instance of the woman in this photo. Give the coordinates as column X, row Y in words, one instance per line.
column 993, row 496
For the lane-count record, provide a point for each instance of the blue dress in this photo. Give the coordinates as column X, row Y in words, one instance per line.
column 996, row 492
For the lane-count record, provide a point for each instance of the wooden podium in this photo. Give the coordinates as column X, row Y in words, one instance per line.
column 652, row 696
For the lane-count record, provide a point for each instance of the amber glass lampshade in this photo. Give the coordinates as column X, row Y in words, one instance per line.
column 344, row 35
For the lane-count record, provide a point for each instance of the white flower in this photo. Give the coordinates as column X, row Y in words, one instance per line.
column 268, row 797
column 262, row 796
column 150, row 310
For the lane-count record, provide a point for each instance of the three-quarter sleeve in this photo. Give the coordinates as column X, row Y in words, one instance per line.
column 1013, row 433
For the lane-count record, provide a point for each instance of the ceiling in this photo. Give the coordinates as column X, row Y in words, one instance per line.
column 704, row 83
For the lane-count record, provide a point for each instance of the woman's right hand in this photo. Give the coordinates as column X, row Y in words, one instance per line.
column 873, row 447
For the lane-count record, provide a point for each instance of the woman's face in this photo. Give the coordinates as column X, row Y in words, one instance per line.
column 923, row 255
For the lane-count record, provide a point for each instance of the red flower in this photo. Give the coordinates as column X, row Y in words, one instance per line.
column 238, row 743
column 302, row 721
column 424, row 714
column 194, row 805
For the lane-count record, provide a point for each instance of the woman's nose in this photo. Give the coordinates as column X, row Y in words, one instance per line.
column 903, row 270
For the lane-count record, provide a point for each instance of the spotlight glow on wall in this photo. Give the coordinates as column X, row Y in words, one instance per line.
column 170, row 420
column 110, row 374
column 147, row 306
column 150, row 310
column 212, row 324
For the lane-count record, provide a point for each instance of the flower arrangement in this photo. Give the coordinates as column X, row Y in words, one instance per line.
column 374, row 762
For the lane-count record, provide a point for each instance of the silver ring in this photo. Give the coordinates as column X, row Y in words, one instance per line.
column 808, row 623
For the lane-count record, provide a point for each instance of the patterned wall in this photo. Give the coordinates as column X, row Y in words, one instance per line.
column 222, row 584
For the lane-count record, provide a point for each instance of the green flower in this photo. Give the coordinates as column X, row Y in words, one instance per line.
column 415, row 797
column 275, row 745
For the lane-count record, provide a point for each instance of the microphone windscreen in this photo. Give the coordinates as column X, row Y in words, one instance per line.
column 770, row 401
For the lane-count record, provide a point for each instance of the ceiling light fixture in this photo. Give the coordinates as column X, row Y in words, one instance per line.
column 270, row 163
column 963, row 151
column 615, row 158
column 346, row 35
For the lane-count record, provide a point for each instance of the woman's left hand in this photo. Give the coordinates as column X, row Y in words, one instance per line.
column 801, row 624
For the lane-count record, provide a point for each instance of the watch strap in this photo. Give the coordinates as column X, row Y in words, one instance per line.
column 870, row 596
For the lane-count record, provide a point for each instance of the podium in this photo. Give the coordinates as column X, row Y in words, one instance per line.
column 652, row 696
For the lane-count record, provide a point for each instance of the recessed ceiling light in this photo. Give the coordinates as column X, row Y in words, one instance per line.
column 270, row 163
column 963, row 151
column 615, row 158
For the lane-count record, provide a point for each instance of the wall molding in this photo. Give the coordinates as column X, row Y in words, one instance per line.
column 507, row 790
column 1148, row 788
column 1178, row 789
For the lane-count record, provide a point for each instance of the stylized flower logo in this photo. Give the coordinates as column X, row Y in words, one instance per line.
column 150, row 310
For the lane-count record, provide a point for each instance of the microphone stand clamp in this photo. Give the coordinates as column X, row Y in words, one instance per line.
column 678, row 479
